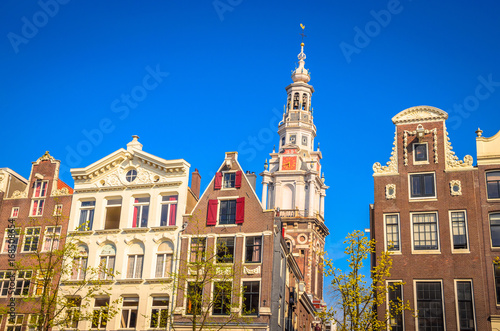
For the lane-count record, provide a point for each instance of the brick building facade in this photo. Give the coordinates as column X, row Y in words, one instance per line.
column 36, row 212
column 430, row 211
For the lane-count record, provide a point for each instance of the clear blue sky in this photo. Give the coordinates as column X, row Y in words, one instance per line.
column 220, row 79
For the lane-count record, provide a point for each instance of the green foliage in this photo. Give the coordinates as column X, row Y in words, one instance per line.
column 355, row 298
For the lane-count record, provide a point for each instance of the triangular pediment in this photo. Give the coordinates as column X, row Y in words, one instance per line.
column 143, row 169
column 420, row 114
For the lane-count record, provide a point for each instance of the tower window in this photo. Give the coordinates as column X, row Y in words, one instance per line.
column 293, row 139
column 304, row 140
column 288, row 101
column 304, row 101
column 296, row 101
column 283, row 141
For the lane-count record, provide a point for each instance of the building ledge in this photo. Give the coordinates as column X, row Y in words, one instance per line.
column 135, row 230
column 164, row 228
column 80, row 233
column 130, row 281
column 159, row 280
column 107, row 231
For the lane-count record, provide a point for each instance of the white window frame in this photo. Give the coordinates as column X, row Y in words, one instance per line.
column 5, row 281
column 415, row 281
column 5, row 244
column 15, row 212
column 234, row 248
column 459, row 250
column 39, row 211
column 415, row 162
column 101, row 318
column 58, row 210
column 398, row 251
column 244, row 257
column 224, row 173
column 169, row 203
column 103, row 274
column 423, row 251
column 31, row 236
column 43, row 188
column 486, row 184
column 16, row 323
column 410, row 185
column 489, row 226
column 18, row 278
column 166, row 255
column 219, row 199
column 140, row 209
column 456, row 300
column 185, row 312
column 243, row 280
column 160, row 309
column 130, row 309
column 212, row 293
column 33, row 321
column 402, row 299
column 78, row 265
column 190, row 247
column 134, row 269
column 51, row 236
column 88, row 208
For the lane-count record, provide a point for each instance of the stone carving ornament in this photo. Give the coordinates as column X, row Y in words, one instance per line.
column 455, row 187
column 390, row 191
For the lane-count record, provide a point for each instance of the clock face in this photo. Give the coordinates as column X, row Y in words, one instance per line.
column 289, row 163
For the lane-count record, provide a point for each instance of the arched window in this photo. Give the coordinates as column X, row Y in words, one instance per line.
column 288, row 101
column 296, row 101
column 107, row 262
column 135, row 261
column 80, row 263
column 304, row 101
column 164, row 259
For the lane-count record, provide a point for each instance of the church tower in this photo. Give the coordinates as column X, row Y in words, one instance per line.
column 292, row 182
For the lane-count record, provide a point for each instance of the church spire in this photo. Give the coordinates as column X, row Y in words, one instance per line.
column 301, row 74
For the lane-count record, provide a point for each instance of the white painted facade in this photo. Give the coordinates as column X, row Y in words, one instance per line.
column 138, row 179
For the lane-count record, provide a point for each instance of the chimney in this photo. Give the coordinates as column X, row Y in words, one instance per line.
column 252, row 178
column 195, row 182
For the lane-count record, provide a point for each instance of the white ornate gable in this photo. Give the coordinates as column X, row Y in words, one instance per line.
column 420, row 114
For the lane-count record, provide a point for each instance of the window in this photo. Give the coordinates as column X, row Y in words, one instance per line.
column 23, row 281
column 304, row 140
column 86, row 215
column 395, row 296
column 253, row 249
column 283, row 141
column 135, row 261
column 107, row 262
column 493, row 184
column 37, row 207
column 33, row 320
column 197, row 249
column 194, row 298
column 4, row 282
column 58, row 210
column 495, row 229
column 465, row 306
column 227, row 212
column 168, row 210
column 222, row 298
column 73, row 312
column 31, row 238
column 422, row 186
column 113, row 211
column 429, row 306
column 40, row 188
column 51, row 238
column 392, row 233
column 14, row 324
column 131, row 175
column 293, row 139
column 141, row 212
column 229, row 179
column 15, row 212
column 164, row 260
column 159, row 312
column 11, row 240
column 129, row 312
column 419, row 152
column 459, row 229
column 296, row 100
column 425, row 233
column 80, row 263
column 251, row 298
column 225, row 250
column 100, row 313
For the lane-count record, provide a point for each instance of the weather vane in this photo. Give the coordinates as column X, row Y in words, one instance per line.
column 302, row 34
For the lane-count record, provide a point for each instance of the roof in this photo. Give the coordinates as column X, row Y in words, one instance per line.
column 61, row 184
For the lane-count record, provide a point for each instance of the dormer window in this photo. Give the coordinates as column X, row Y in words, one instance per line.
column 420, row 152
column 229, row 179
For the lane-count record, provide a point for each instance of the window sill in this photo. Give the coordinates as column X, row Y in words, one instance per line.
column 72, row 281
column 135, row 230
column 395, row 252
column 80, row 233
column 226, row 225
column 164, row 228
column 130, row 281
column 423, row 199
column 106, row 231
column 425, row 252
column 460, row 251
column 496, row 200
column 159, row 280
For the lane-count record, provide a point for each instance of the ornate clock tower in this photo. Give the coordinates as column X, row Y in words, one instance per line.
column 292, row 184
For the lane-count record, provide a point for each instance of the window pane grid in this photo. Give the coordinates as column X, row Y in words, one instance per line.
column 493, row 184
column 425, row 232
column 458, row 230
column 429, row 306
column 227, row 214
column 392, row 232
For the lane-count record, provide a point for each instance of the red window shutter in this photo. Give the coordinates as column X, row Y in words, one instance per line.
column 237, row 180
column 212, row 212
column 218, row 181
column 283, row 232
column 240, row 210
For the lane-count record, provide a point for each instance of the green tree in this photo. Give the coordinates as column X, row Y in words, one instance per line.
column 355, row 300
column 57, row 283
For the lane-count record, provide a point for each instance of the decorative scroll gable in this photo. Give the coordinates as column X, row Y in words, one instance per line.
column 420, row 114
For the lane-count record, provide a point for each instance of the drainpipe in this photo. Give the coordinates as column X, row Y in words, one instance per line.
column 177, row 253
